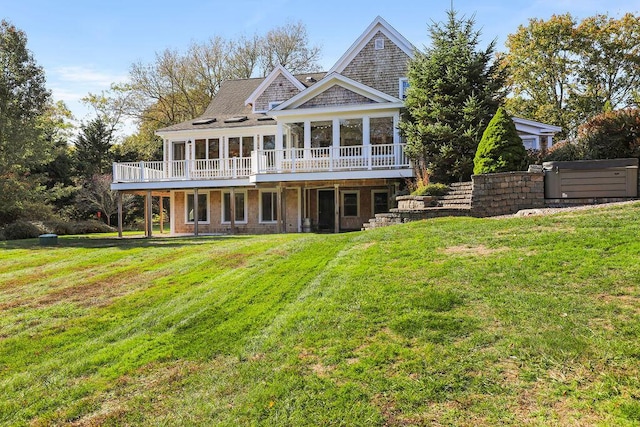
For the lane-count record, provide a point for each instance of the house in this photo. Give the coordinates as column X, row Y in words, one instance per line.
column 292, row 153
column 535, row 135
column 287, row 153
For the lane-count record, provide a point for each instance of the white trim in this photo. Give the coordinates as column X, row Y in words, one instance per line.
column 542, row 128
column 222, row 206
column 378, row 24
column 275, row 207
column 267, row 82
column 186, row 207
column 373, row 200
column 342, row 194
column 335, row 110
column 328, row 82
column 274, row 104
column 401, row 89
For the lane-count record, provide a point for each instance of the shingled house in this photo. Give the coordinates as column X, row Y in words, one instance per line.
column 284, row 153
column 291, row 153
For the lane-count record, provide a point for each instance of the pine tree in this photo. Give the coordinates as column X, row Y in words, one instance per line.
column 500, row 149
column 454, row 90
column 93, row 149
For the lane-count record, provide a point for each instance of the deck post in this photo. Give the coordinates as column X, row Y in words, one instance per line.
column 336, row 192
column 148, row 214
column 119, row 214
column 232, row 209
column 161, row 214
column 195, row 212
column 279, row 208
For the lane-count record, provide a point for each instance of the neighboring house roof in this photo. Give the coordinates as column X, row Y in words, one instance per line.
column 535, row 128
column 378, row 25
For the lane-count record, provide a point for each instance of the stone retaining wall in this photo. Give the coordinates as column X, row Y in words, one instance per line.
column 506, row 193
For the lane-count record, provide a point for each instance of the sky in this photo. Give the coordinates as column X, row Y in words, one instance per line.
column 84, row 45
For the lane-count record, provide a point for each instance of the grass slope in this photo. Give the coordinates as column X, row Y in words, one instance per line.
column 522, row 321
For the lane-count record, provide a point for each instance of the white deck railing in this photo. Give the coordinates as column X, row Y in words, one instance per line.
column 325, row 159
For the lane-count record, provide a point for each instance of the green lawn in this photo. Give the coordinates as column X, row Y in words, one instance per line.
column 461, row 321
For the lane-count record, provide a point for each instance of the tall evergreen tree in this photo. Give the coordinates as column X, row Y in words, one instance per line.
column 93, row 149
column 454, row 90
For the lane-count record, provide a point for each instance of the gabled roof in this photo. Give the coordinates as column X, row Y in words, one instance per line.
column 533, row 127
column 279, row 70
column 378, row 24
column 328, row 82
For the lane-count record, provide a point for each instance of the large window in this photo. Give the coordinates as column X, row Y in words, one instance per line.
column 207, row 148
column 379, row 201
column 294, row 135
column 381, row 130
column 321, row 134
column 268, row 206
column 350, row 132
column 350, row 203
column 240, row 147
column 203, row 208
column 269, row 142
column 240, row 208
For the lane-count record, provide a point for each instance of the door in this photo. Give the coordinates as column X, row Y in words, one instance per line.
column 326, row 210
column 179, row 156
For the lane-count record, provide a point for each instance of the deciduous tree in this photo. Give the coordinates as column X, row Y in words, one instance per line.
column 563, row 72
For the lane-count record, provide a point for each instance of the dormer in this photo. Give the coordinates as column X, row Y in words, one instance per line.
column 279, row 86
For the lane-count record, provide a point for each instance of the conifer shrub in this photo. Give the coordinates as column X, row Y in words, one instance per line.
column 22, row 230
column 500, row 149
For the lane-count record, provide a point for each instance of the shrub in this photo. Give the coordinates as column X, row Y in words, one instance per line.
column 611, row 135
column 89, row 227
column 22, row 230
column 500, row 149
column 431, row 190
column 564, row 151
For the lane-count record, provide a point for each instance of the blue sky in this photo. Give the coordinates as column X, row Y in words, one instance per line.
column 85, row 45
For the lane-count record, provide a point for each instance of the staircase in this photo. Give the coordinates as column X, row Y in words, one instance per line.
column 457, row 202
column 458, row 197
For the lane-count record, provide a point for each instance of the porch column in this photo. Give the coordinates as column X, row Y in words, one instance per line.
column 232, row 209
column 335, row 151
column 279, row 208
column 366, row 141
column 279, row 145
column 307, row 139
column 195, row 212
column 148, row 213
column 336, row 191
column 396, row 139
column 161, row 214
column 120, row 214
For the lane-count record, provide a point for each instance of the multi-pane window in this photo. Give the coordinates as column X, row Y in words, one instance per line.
column 268, row 206
column 350, row 203
column 207, row 148
column 203, row 208
column 380, row 201
column 240, row 147
column 240, row 208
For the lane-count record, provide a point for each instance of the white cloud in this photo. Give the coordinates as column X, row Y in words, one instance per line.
column 87, row 76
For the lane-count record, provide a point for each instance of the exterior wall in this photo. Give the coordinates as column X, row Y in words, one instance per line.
column 379, row 69
column 337, row 95
column 252, row 206
column 506, row 193
column 280, row 90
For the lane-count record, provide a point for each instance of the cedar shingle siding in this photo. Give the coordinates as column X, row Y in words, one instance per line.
column 336, row 95
column 379, row 69
column 280, row 90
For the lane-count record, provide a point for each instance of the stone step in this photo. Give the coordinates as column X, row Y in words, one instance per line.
column 466, row 184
